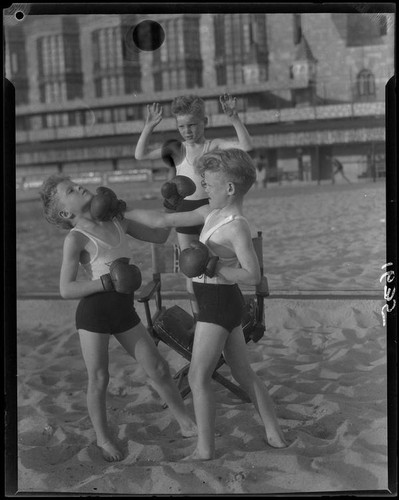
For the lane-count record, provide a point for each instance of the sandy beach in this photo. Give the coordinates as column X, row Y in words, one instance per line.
column 324, row 361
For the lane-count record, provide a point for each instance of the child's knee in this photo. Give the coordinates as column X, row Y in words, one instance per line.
column 243, row 375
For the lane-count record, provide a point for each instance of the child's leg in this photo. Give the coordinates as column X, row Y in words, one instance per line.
column 95, row 354
column 184, row 241
column 209, row 340
column 138, row 343
column 235, row 353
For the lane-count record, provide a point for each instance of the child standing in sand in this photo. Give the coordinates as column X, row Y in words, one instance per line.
column 223, row 258
column 106, row 298
column 191, row 121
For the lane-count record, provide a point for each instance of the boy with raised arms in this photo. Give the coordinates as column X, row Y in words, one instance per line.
column 191, row 121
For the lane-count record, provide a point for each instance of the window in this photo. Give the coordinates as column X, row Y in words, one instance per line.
column 221, row 74
column 240, row 39
column 382, row 21
column 97, row 86
column 51, row 55
column 297, row 28
column 21, row 123
column 158, row 81
column 76, row 118
column 59, row 68
column 194, row 77
column 133, row 113
column 17, row 67
column 107, row 62
column 365, row 83
column 132, row 80
column 366, row 29
column 55, row 120
column 220, row 50
column 107, row 115
column 177, row 64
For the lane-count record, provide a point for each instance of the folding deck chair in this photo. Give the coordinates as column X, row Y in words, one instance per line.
column 175, row 326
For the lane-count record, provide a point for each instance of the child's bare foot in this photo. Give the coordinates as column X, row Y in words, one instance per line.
column 110, row 452
column 276, row 441
column 196, row 456
column 189, row 429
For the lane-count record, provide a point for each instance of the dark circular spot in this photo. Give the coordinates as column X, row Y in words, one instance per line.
column 19, row 15
column 148, row 35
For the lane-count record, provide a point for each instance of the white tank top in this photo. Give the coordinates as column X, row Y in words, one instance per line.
column 104, row 253
column 186, row 168
column 231, row 262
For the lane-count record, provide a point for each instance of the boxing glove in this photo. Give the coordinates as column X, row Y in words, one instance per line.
column 105, row 205
column 196, row 261
column 122, row 277
column 170, row 150
column 175, row 190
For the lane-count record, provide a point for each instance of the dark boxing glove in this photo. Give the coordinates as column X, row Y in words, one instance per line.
column 122, row 277
column 105, row 205
column 196, row 261
column 175, row 190
column 170, row 150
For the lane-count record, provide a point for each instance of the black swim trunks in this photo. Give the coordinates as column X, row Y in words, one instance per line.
column 189, row 206
column 222, row 305
column 106, row 312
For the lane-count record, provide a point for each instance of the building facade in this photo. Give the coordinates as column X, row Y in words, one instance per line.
column 308, row 85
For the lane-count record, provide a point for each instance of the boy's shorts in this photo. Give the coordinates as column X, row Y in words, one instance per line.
column 221, row 305
column 189, row 206
column 106, row 312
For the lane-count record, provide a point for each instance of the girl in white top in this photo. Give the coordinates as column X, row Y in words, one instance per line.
column 228, row 175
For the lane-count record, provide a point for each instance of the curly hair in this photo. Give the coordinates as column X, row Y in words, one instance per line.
column 188, row 105
column 235, row 164
column 49, row 197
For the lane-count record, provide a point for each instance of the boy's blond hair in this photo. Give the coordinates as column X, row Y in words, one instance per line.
column 49, row 197
column 234, row 163
column 188, row 105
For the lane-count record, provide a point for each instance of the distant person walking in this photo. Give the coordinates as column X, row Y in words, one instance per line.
column 337, row 168
column 261, row 171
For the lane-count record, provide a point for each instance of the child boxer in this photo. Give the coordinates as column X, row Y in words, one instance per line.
column 97, row 242
column 222, row 259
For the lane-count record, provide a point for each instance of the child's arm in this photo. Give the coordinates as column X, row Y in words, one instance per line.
column 154, row 117
column 143, row 232
column 229, row 105
column 70, row 288
column 155, row 219
column 241, row 241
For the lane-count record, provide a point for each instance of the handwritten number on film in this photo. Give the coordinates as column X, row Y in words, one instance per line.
column 389, row 293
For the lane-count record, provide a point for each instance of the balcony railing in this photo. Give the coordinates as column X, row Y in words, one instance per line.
column 90, row 177
column 327, row 112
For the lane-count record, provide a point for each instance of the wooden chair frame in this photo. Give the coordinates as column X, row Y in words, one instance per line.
column 175, row 327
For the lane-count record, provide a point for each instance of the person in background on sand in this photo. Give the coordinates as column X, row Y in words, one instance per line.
column 337, row 168
column 191, row 121
column 261, row 171
column 97, row 241
column 307, row 168
column 223, row 258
